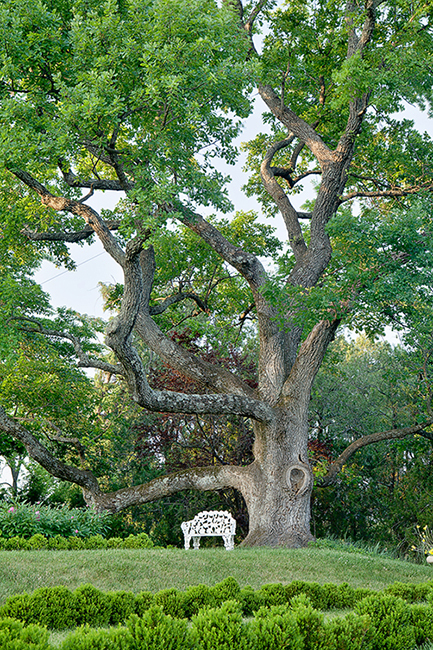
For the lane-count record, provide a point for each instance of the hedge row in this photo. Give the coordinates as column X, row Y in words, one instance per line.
column 380, row 622
column 58, row 543
column 59, row 608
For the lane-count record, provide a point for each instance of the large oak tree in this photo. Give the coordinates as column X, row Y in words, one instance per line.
column 139, row 97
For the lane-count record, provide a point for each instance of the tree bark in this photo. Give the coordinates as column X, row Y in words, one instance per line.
column 280, row 483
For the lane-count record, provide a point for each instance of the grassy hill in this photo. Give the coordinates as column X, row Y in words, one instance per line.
column 155, row 569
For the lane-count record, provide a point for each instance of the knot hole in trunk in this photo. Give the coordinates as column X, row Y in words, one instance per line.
column 297, row 479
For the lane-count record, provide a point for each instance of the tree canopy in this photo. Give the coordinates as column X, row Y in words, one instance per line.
column 139, row 97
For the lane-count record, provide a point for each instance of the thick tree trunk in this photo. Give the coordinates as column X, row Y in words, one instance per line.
column 279, row 508
column 280, row 483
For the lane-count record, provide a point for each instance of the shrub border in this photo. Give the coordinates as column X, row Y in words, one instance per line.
column 60, row 608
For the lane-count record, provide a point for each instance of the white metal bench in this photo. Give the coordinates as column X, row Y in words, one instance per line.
column 210, row 524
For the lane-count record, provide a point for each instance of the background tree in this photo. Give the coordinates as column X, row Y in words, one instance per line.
column 94, row 106
column 384, row 489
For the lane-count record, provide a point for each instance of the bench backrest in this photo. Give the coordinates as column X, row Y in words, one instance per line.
column 211, row 522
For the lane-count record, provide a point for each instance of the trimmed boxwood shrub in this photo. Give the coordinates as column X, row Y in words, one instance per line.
column 14, row 544
column 158, row 631
column 337, row 596
column 249, row 600
column 95, row 542
column 350, row 632
column 122, row 605
column 58, row 543
column 144, row 601
column 39, row 542
column 228, row 589
column 114, row 542
column 92, row 607
column 311, row 589
column 422, row 620
column 392, row 621
column 14, row 636
column 54, row 607
column 59, row 608
column 308, row 620
column 274, row 629
column 220, row 628
column 197, row 597
column 381, row 622
column 17, row 607
column 75, row 543
column 85, row 638
column 171, row 602
column 137, row 541
column 274, row 594
column 409, row 593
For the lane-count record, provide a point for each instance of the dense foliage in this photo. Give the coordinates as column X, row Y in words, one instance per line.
column 384, row 490
column 139, row 97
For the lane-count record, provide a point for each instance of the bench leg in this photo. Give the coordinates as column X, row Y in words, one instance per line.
column 187, row 541
column 196, row 542
column 229, row 542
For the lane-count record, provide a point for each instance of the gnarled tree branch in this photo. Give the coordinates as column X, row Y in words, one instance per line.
column 199, row 478
column 392, row 434
column 62, row 204
column 84, row 361
column 67, row 237
column 40, row 454
column 308, row 361
column 287, row 210
column 396, row 192
column 73, row 180
column 214, row 477
column 296, row 125
column 174, row 299
column 119, row 339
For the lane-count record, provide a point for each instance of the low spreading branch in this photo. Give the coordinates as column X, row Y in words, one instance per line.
column 393, row 434
column 214, row 477
column 40, row 454
column 199, row 478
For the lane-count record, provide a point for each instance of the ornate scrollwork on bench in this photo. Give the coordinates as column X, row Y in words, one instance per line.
column 210, row 523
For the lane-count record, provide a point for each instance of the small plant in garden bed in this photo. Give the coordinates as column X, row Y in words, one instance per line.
column 25, row 520
column 424, row 547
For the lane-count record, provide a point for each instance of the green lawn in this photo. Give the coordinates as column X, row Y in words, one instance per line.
column 155, row 569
